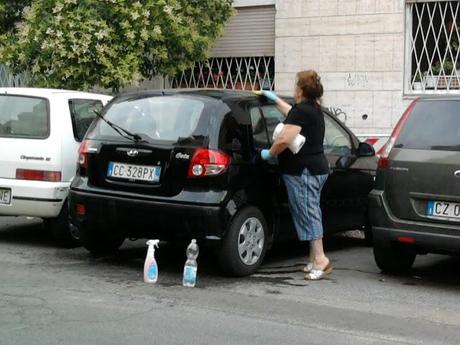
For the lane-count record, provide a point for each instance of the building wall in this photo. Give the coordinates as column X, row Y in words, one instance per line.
column 357, row 46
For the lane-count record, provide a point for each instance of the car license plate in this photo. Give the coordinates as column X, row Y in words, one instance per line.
column 443, row 209
column 5, row 196
column 134, row 172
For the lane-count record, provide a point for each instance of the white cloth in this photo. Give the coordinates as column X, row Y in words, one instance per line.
column 296, row 145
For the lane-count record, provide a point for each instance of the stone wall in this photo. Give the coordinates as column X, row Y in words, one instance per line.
column 357, row 46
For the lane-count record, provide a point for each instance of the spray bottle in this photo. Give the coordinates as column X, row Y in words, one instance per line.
column 150, row 265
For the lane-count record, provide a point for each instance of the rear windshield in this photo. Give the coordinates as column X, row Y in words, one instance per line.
column 24, row 117
column 432, row 125
column 161, row 118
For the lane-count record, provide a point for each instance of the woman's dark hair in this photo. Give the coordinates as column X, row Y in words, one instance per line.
column 309, row 83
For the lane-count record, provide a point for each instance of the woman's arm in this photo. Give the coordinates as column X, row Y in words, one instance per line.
column 283, row 140
column 281, row 104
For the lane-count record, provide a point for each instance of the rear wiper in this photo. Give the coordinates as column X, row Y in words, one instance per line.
column 120, row 130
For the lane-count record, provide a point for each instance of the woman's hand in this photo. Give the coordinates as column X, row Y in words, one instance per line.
column 282, row 105
column 266, row 155
column 270, row 95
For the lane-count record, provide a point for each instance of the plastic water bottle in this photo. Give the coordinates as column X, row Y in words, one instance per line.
column 190, row 268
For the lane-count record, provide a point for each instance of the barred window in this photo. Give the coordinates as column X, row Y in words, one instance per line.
column 432, row 46
column 241, row 73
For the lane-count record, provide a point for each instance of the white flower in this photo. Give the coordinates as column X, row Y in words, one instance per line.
column 130, row 35
column 58, row 8
column 49, row 31
column 168, row 9
column 157, row 30
column 100, row 34
column 100, row 48
column 144, row 34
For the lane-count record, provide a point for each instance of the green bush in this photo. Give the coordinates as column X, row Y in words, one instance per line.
column 111, row 43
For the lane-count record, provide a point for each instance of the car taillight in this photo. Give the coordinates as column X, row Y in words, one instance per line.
column 38, row 175
column 83, row 154
column 80, row 209
column 208, row 163
column 385, row 151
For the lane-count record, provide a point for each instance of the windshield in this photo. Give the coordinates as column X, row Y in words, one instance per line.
column 24, row 117
column 160, row 118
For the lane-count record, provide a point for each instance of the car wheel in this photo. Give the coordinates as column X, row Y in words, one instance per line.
column 61, row 230
column 394, row 258
column 98, row 240
column 243, row 248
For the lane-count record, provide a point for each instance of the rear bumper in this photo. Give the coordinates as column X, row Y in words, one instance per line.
column 34, row 198
column 148, row 218
column 428, row 237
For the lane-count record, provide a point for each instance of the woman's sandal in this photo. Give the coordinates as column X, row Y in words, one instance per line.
column 308, row 268
column 319, row 274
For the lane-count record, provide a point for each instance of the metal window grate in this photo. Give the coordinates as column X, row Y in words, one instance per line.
column 433, row 47
column 240, row 73
column 7, row 79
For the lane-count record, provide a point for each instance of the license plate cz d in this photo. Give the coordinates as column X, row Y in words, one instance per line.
column 134, row 172
column 443, row 209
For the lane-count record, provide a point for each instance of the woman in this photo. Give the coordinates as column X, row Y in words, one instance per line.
column 305, row 172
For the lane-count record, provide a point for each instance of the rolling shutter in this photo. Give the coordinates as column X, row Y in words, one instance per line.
column 250, row 32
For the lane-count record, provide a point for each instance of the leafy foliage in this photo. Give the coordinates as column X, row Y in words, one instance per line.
column 112, row 43
column 10, row 14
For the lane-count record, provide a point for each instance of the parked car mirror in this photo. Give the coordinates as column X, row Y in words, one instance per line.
column 365, row 150
column 345, row 162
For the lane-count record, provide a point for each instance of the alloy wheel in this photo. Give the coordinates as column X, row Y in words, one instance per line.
column 251, row 239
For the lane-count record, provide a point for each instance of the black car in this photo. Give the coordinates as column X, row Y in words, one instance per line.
column 415, row 204
column 178, row 164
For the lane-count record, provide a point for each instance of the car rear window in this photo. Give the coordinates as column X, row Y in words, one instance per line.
column 432, row 125
column 164, row 118
column 24, row 117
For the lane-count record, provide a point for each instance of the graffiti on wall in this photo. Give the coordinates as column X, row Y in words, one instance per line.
column 357, row 80
column 338, row 113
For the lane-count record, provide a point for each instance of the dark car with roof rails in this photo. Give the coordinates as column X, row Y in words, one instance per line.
column 415, row 205
column 182, row 164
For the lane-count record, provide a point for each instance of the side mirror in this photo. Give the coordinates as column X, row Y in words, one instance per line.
column 365, row 150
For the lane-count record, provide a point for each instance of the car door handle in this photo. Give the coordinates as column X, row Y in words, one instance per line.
column 457, row 174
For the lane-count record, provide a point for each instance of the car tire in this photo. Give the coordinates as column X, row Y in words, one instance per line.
column 98, row 240
column 247, row 235
column 61, row 230
column 394, row 258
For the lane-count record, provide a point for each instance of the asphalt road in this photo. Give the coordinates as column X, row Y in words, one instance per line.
column 51, row 295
